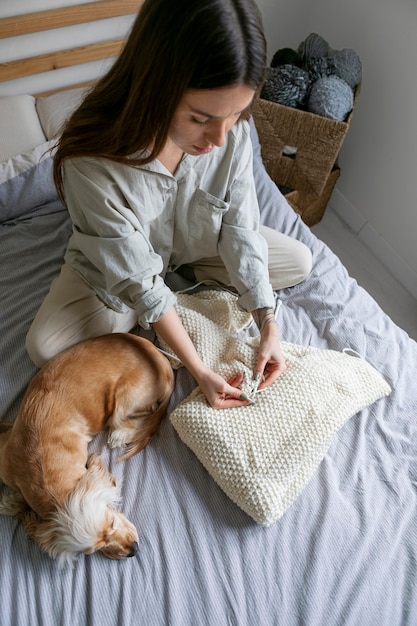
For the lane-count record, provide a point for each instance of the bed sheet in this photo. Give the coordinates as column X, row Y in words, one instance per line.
column 344, row 553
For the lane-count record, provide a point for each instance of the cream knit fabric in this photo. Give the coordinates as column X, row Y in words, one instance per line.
column 264, row 454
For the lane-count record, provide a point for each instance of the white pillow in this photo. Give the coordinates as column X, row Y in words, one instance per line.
column 263, row 455
column 20, row 128
column 56, row 109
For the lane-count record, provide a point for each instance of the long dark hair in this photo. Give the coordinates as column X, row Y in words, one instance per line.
column 174, row 45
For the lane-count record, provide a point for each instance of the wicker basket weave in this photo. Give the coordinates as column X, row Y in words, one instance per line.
column 317, row 140
column 311, row 206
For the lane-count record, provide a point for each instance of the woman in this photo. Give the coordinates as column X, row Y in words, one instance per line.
column 155, row 168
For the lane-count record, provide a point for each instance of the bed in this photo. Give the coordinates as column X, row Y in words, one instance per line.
column 344, row 552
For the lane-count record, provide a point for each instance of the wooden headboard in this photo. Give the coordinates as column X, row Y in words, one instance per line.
column 47, row 20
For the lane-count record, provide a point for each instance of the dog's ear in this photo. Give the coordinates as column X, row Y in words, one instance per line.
column 97, row 547
column 78, row 525
column 103, row 534
column 50, row 538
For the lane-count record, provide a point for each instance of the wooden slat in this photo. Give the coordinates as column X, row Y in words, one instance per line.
column 58, row 60
column 66, row 16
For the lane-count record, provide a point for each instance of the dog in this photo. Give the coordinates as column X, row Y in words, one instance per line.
column 66, row 499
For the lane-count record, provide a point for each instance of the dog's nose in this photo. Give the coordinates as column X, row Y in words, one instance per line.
column 134, row 550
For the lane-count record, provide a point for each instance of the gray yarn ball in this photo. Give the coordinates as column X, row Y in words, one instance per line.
column 332, row 97
column 348, row 66
column 313, row 46
column 318, row 67
column 287, row 85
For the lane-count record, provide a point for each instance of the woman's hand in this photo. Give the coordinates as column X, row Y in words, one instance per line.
column 271, row 361
column 220, row 394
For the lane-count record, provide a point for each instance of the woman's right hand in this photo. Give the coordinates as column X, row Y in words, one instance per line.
column 222, row 394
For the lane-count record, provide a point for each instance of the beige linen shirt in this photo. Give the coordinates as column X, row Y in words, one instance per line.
column 132, row 225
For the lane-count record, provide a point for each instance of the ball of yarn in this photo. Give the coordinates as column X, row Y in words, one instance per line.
column 332, row 97
column 287, row 85
column 348, row 66
column 313, row 46
column 286, row 56
column 317, row 67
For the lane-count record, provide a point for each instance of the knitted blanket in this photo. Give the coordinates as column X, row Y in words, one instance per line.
column 263, row 455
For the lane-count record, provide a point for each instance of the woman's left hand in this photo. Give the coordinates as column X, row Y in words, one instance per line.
column 271, row 362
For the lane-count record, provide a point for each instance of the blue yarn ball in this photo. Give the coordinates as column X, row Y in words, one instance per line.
column 330, row 96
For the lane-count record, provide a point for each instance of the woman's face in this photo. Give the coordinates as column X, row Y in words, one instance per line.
column 204, row 117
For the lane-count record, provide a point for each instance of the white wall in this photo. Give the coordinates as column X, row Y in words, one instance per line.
column 376, row 193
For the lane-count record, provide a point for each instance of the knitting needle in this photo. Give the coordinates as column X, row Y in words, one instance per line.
column 256, row 381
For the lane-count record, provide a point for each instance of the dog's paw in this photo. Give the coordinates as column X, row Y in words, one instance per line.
column 94, row 460
column 12, row 504
column 119, row 438
column 98, row 472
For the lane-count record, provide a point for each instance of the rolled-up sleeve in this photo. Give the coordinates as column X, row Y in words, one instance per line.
column 116, row 258
column 242, row 248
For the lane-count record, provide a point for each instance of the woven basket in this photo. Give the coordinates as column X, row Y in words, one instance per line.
column 317, row 140
column 311, row 206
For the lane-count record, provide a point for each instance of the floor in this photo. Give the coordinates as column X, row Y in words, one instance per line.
column 362, row 265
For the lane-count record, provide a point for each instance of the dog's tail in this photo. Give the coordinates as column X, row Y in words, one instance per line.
column 146, row 427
